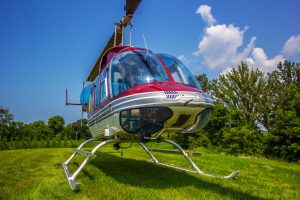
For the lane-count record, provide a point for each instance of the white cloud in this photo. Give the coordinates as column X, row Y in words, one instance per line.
column 181, row 57
column 292, row 46
column 185, row 59
column 205, row 12
column 261, row 61
column 220, row 46
column 225, row 71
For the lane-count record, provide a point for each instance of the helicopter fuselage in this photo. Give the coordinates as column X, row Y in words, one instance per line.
column 145, row 108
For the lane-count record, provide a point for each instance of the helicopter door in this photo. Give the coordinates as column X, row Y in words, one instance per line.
column 103, row 85
column 97, row 93
column 86, row 98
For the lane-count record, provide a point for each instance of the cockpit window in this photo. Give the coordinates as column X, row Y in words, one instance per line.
column 132, row 68
column 179, row 71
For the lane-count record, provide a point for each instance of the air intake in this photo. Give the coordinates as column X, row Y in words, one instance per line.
column 171, row 95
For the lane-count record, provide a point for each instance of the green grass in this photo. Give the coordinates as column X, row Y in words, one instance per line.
column 36, row 174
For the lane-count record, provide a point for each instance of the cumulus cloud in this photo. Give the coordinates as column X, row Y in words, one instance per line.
column 205, row 12
column 181, row 57
column 292, row 46
column 221, row 46
column 228, row 69
column 260, row 60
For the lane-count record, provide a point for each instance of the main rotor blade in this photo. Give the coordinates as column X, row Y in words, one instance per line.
column 95, row 71
column 131, row 6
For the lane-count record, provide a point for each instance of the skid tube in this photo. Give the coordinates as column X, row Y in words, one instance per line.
column 196, row 168
column 89, row 154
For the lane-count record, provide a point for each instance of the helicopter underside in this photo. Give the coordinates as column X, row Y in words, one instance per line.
column 152, row 113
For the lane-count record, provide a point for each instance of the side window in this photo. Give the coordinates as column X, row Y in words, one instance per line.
column 86, row 98
column 103, row 85
column 97, row 93
column 174, row 69
column 91, row 102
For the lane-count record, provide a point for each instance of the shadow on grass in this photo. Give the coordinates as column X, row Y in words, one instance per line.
column 144, row 174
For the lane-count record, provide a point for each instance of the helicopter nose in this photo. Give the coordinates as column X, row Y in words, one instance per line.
column 144, row 119
column 201, row 120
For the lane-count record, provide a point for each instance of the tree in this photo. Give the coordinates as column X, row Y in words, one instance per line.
column 284, row 140
column 222, row 119
column 16, row 130
column 242, row 139
column 6, row 118
column 282, row 91
column 204, row 82
column 241, row 89
column 38, row 130
column 77, row 130
column 281, row 109
column 56, row 123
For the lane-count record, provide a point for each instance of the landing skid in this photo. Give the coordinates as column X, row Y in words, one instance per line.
column 196, row 169
column 71, row 177
column 89, row 154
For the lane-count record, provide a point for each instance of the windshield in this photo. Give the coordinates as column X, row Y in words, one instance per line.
column 132, row 68
column 179, row 71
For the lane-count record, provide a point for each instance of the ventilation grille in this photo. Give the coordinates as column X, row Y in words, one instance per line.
column 171, row 95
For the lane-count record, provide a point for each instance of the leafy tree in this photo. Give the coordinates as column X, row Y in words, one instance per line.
column 204, row 82
column 80, row 128
column 200, row 139
column 284, row 140
column 242, row 139
column 77, row 130
column 222, row 119
column 6, row 118
column 280, row 111
column 182, row 140
column 241, row 89
column 16, row 130
column 56, row 123
column 38, row 130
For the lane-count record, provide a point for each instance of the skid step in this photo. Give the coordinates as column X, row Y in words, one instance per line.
column 83, row 152
column 89, row 154
column 174, row 152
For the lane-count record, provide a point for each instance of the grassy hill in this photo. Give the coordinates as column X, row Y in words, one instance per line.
column 36, row 174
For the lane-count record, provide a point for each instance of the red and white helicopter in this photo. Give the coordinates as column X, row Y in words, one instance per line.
column 135, row 94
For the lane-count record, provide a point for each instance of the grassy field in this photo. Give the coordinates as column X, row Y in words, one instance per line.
column 37, row 174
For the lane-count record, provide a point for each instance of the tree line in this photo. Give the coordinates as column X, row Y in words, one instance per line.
column 255, row 113
column 16, row 134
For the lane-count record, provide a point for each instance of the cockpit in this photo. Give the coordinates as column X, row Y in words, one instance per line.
column 132, row 68
column 179, row 71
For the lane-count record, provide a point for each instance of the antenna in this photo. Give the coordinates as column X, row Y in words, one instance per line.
column 130, row 34
column 145, row 42
column 115, row 36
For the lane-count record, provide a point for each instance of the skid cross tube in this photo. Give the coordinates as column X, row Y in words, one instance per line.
column 196, row 169
column 71, row 177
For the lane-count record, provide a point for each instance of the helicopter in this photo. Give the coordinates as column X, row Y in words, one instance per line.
column 137, row 95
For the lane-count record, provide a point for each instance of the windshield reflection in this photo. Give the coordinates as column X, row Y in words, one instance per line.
column 132, row 68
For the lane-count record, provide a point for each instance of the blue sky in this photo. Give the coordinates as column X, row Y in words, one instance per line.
column 47, row 46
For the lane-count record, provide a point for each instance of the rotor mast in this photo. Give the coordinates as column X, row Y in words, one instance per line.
column 117, row 37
